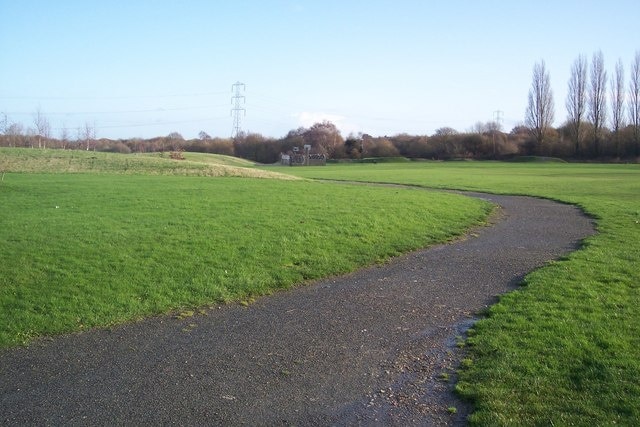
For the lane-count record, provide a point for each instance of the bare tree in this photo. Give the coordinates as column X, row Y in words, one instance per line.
column 87, row 135
column 598, row 98
column 14, row 133
column 444, row 131
column 324, row 137
column 64, row 137
column 485, row 127
column 577, row 100
column 175, row 139
column 617, row 103
column 30, row 135
column 540, row 109
column 78, row 136
column 43, row 129
column 634, row 101
column 4, row 124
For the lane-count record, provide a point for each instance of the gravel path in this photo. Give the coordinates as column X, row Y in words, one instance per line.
column 367, row 348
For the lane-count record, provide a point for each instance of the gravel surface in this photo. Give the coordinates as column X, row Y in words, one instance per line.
column 372, row 348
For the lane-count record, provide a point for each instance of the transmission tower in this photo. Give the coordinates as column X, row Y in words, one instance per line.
column 237, row 100
column 498, row 117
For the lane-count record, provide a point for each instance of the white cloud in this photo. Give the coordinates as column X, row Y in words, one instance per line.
column 307, row 119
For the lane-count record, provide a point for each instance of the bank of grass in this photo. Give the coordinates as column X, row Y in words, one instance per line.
column 215, row 159
column 94, row 249
column 81, row 161
column 565, row 348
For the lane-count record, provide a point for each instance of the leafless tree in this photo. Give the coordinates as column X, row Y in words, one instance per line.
column 485, row 127
column 64, row 137
column 324, row 137
column 540, row 109
column 598, row 98
column 617, row 103
column 494, row 126
column 577, row 100
column 87, row 135
column 174, row 139
column 444, row 131
column 14, row 133
column 43, row 129
column 29, row 136
column 634, row 101
column 4, row 124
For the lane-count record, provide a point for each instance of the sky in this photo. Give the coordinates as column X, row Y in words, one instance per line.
column 143, row 68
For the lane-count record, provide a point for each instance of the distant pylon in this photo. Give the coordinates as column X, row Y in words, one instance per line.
column 498, row 117
column 497, row 120
column 237, row 108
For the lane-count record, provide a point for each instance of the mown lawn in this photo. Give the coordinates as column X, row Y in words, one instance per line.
column 83, row 250
column 565, row 348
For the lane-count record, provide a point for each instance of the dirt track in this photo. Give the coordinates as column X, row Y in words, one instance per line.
column 367, row 348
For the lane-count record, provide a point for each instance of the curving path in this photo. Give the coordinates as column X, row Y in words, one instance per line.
column 367, row 348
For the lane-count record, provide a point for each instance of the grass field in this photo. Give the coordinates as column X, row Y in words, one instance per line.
column 565, row 348
column 92, row 249
column 127, row 236
column 214, row 159
column 78, row 161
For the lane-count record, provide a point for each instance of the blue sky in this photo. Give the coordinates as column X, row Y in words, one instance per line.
column 147, row 68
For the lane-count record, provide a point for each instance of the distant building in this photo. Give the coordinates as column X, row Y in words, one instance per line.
column 296, row 157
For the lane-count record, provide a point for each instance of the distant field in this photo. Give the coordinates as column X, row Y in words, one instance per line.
column 79, row 161
column 565, row 348
column 93, row 249
column 216, row 159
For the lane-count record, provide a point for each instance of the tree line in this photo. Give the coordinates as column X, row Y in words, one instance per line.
column 603, row 113
column 603, row 124
column 484, row 141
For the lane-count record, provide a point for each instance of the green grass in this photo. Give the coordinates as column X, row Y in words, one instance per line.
column 538, row 159
column 79, row 161
column 565, row 348
column 373, row 160
column 121, row 244
column 87, row 249
column 215, row 159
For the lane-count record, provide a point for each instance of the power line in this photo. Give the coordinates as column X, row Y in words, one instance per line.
column 175, row 95
column 153, row 110
column 235, row 111
column 133, row 125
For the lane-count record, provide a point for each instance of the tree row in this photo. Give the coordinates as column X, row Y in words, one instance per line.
column 603, row 114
